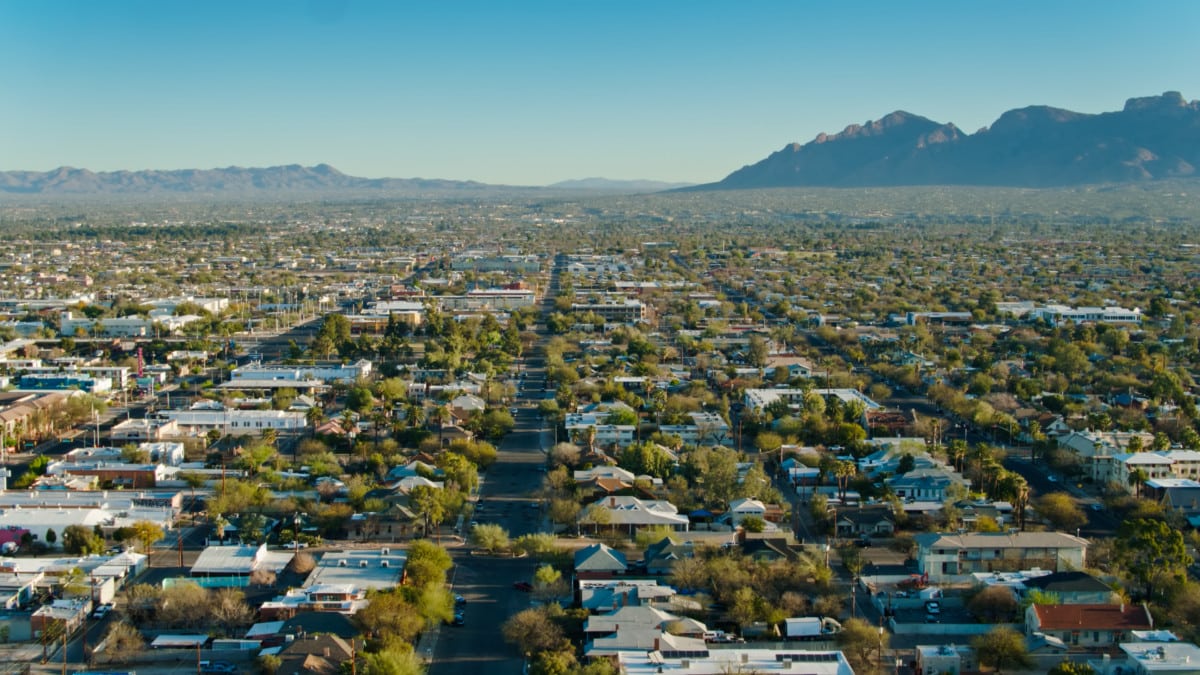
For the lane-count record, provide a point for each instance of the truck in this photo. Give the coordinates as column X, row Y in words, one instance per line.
column 810, row 628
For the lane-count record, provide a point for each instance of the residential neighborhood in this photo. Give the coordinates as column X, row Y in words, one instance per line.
column 307, row 445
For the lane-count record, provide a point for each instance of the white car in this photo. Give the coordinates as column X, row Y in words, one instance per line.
column 101, row 611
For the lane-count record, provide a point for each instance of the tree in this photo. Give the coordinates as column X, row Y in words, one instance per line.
column 490, row 537
column 193, row 480
column 80, row 540
column 428, row 504
column 427, row 564
column 51, row 536
column 302, row 563
column 1001, row 648
column 1152, row 553
column 994, row 604
column 389, row 615
column 122, row 641
column 392, row 660
column 531, row 630
column 269, row 663
column 537, row 544
column 146, row 533
column 1071, row 668
column 548, row 582
column 1058, row 509
column 1137, row 478
column 859, row 641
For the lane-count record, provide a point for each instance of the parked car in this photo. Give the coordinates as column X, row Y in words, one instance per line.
column 523, row 586
column 933, row 607
column 101, row 611
column 217, row 667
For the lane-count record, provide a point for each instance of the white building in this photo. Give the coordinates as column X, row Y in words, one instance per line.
column 722, row 661
column 234, row 421
column 1057, row 314
column 333, row 372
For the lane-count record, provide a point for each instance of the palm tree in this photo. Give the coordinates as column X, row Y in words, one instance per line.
column 314, row 416
column 193, row 480
column 1138, row 478
column 844, row 470
column 591, row 439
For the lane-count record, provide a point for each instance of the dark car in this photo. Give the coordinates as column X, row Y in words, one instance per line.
column 458, row 620
column 523, row 586
column 863, row 543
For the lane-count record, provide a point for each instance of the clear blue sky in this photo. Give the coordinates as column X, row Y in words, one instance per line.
column 544, row 91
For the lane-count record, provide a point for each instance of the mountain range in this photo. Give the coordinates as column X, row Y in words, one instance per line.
column 230, row 181
column 1038, row 146
column 1151, row 138
column 615, row 185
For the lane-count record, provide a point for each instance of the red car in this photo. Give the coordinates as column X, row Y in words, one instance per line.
column 523, row 586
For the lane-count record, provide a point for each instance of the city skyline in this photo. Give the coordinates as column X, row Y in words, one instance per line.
column 544, row 92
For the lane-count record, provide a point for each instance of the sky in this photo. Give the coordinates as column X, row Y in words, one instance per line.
column 530, row 93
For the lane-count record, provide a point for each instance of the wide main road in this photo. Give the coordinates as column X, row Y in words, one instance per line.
column 508, row 496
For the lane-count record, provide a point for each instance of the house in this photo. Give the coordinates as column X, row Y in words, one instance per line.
column 770, row 548
column 631, row 513
column 315, row 654
column 612, row 472
column 1117, row 469
column 599, row 595
column 340, row 598
column 1151, row 658
column 873, row 520
column 1089, row 626
column 938, row 659
column 1096, row 448
column 451, row 432
column 929, row 484
column 69, row 613
column 1176, row 494
column 1071, row 588
column 946, row 557
column 466, row 405
column 745, row 507
column 660, row 556
column 599, row 559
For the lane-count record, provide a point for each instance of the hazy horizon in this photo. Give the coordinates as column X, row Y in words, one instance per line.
column 545, row 92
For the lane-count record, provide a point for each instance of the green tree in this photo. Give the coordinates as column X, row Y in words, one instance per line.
column 994, row 604
column 860, row 641
column 532, row 630
column 548, row 582
column 146, row 533
column 392, row 660
column 490, row 537
column 1152, row 553
column 1061, row 511
column 390, row 615
column 427, row 564
column 1001, row 648
column 80, row 540
column 1071, row 668
column 360, row 399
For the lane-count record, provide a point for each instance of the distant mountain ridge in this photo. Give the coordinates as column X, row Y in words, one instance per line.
column 1038, row 146
column 232, row 180
column 614, row 185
